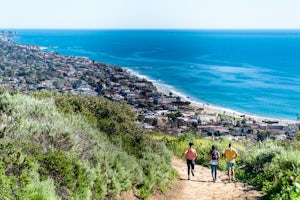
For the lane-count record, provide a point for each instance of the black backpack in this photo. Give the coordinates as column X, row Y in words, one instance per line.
column 214, row 155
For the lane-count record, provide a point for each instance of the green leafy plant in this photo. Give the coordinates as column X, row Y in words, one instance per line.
column 78, row 147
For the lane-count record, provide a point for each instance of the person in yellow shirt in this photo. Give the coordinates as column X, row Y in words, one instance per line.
column 230, row 155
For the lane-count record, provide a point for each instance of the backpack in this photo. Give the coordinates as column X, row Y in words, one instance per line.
column 214, row 155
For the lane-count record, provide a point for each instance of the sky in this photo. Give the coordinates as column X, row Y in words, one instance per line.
column 150, row 14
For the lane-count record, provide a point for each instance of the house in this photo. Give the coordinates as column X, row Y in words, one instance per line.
column 167, row 100
column 87, row 91
column 206, row 119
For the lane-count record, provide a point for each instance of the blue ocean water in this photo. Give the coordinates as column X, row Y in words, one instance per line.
column 251, row 71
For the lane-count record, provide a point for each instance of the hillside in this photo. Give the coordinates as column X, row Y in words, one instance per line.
column 75, row 147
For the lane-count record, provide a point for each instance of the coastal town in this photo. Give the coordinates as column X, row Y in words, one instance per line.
column 28, row 69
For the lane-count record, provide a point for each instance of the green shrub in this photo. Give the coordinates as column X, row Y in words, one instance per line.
column 274, row 169
column 77, row 147
column 71, row 178
column 44, row 190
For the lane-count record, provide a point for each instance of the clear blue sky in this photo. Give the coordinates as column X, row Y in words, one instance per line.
column 150, row 14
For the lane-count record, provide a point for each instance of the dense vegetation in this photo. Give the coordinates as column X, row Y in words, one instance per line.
column 76, row 147
column 272, row 166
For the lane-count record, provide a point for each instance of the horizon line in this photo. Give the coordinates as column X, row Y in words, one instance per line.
column 240, row 29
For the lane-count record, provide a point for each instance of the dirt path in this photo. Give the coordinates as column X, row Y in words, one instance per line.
column 201, row 186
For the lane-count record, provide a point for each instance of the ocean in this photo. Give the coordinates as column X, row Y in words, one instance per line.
column 250, row 71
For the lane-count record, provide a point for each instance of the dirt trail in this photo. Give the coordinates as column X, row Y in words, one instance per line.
column 201, row 186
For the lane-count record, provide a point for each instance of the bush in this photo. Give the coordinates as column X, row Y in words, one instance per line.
column 77, row 147
column 44, row 190
column 274, row 169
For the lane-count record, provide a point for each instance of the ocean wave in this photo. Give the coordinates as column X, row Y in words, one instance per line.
column 43, row 48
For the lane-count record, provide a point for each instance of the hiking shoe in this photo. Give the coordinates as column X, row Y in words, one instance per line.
column 193, row 172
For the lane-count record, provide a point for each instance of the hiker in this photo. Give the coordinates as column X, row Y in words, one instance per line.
column 190, row 155
column 230, row 155
column 214, row 156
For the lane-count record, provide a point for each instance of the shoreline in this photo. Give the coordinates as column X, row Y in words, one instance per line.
column 207, row 108
column 217, row 110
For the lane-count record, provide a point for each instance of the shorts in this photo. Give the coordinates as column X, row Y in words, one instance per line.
column 230, row 165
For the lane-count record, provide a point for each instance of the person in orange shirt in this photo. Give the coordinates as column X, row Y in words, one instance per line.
column 230, row 155
column 190, row 155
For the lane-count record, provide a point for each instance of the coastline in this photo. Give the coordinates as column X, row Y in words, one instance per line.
column 207, row 108
column 217, row 110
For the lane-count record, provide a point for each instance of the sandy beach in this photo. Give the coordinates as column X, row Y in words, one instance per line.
column 215, row 110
